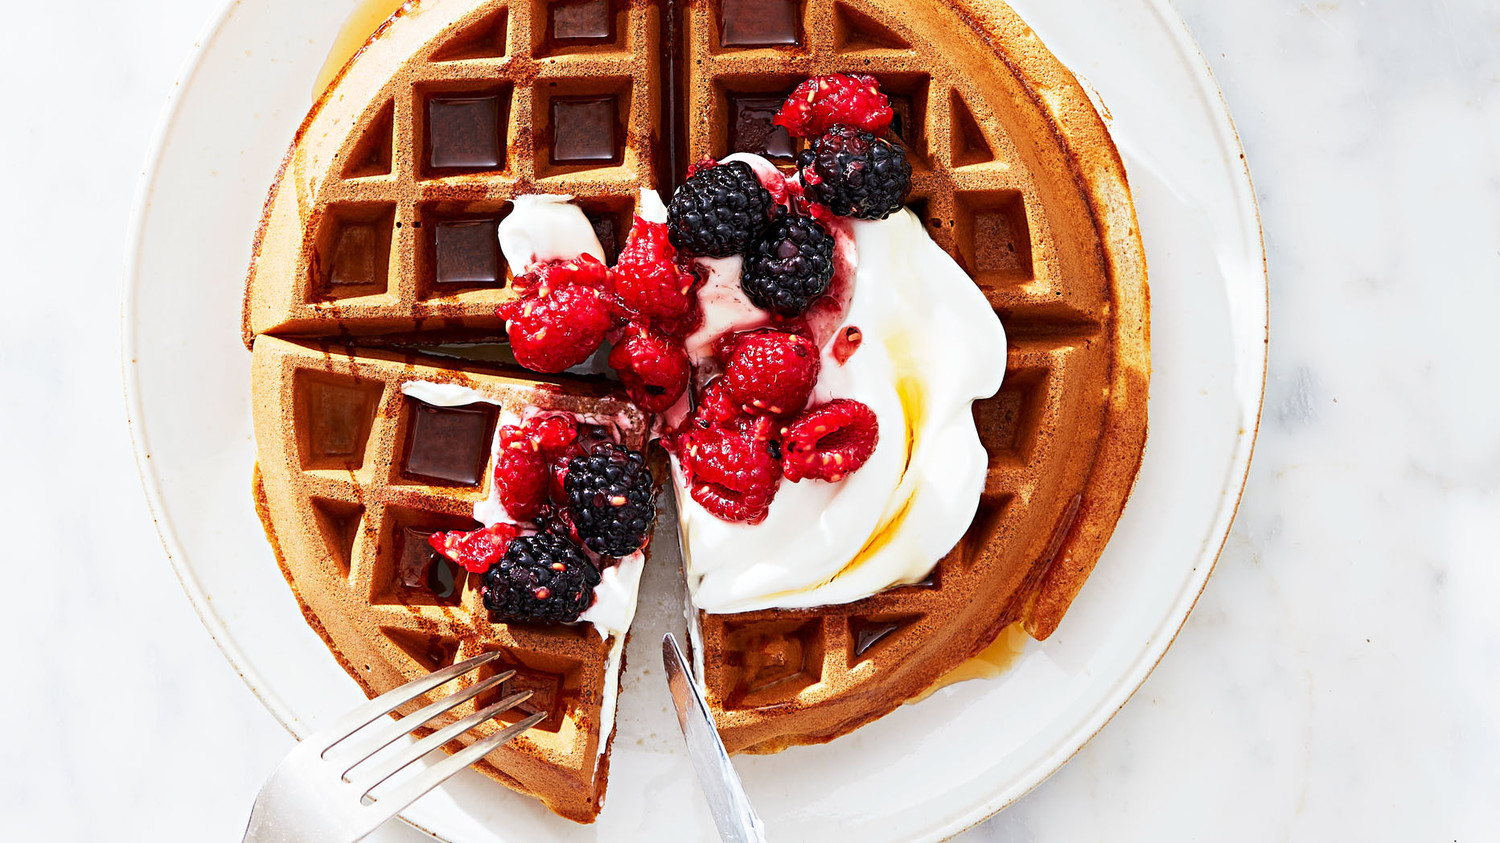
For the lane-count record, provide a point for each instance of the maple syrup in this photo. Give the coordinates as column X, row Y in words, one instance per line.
column 869, row 632
column 1000, row 656
column 465, row 132
column 751, row 129
column 448, row 445
column 338, row 415
column 357, row 28
column 421, row 569
column 355, row 258
column 466, row 253
column 760, row 23
column 586, row 130
column 579, row 22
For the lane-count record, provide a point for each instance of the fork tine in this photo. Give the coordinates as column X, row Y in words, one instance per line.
column 410, row 791
column 384, row 704
column 364, row 782
column 393, row 730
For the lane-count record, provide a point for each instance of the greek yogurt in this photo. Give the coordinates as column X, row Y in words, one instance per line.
column 931, row 346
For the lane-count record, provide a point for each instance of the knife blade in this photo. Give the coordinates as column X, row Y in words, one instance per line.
column 727, row 801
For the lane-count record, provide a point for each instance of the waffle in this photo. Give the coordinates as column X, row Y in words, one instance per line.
column 1013, row 172
column 1017, row 179
column 337, row 449
column 409, row 159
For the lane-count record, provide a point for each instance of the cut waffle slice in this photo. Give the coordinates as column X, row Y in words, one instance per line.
column 383, row 216
column 1015, row 176
column 353, row 474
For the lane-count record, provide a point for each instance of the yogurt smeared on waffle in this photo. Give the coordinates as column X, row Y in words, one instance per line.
column 931, row 346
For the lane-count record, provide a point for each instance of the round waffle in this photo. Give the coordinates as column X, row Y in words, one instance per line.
column 380, row 229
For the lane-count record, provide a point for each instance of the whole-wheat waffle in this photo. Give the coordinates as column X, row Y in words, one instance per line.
column 340, row 495
column 1014, row 174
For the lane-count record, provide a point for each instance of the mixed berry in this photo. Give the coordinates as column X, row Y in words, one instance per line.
column 545, row 577
column 789, row 264
column 578, row 489
column 718, row 211
column 611, row 498
column 821, row 103
column 769, row 372
column 855, row 173
column 753, row 420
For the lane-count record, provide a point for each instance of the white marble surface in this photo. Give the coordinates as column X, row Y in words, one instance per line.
column 1339, row 679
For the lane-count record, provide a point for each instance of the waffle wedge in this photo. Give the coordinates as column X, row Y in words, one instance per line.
column 1016, row 178
column 339, row 492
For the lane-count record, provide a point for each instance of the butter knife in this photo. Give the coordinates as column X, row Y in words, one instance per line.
column 730, row 806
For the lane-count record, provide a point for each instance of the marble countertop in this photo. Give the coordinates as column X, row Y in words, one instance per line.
column 1338, row 679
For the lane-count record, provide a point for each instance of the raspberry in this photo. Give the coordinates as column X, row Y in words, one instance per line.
column 718, row 210
column 647, row 279
column 715, row 406
column 559, row 330
column 730, row 470
column 771, row 372
column 475, row 551
column 551, row 433
column 582, row 271
column 521, row 475
column 855, row 173
column 544, row 577
column 825, row 101
column 829, row 442
column 654, row 370
column 610, row 496
column 788, row 265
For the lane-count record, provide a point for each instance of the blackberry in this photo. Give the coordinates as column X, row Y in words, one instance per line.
column 610, row 495
column 789, row 265
column 717, row 211
column 856, row 174
column 544, row 577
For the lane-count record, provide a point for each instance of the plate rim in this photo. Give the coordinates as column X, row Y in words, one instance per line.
column 1229, row 137
column 1125, row 688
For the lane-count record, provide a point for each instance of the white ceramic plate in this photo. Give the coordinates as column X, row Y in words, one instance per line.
column 924, row 772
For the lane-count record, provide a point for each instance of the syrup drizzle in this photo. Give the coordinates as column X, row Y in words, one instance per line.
column 357, row 29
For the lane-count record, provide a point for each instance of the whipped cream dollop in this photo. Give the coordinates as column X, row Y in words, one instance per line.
column 931, row 346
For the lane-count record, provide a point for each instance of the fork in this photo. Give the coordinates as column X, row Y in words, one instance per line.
column 313, row 798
